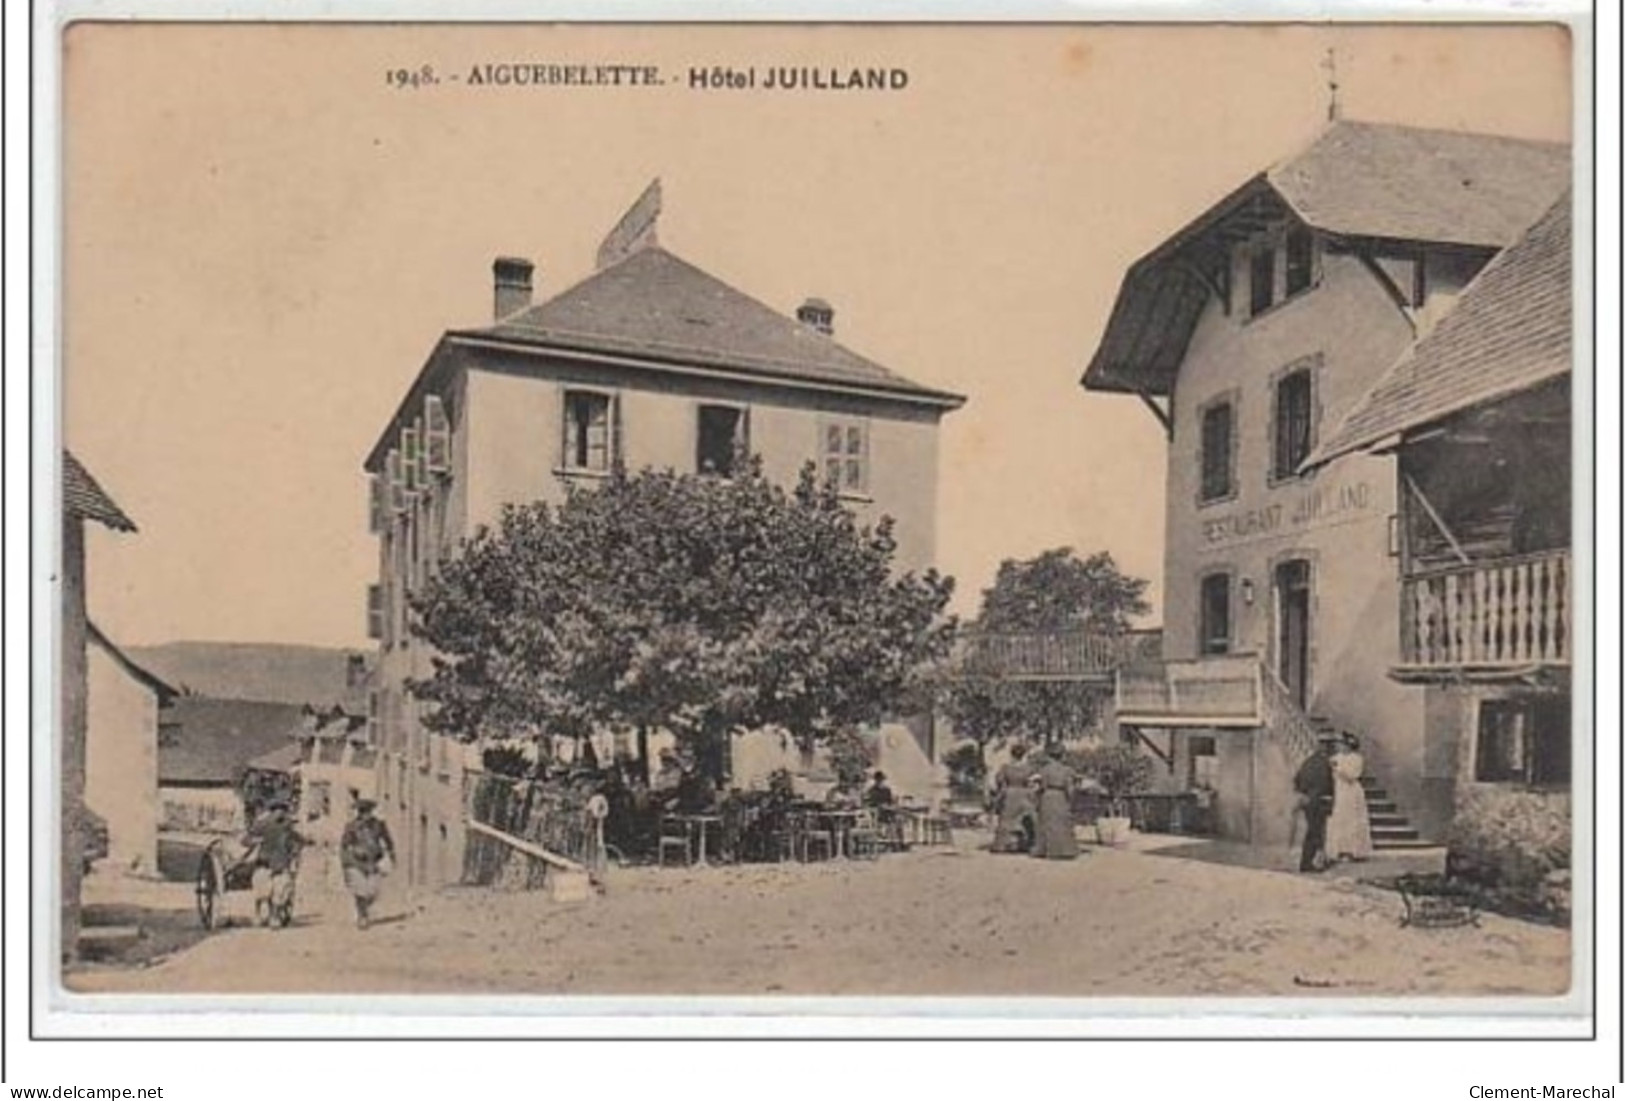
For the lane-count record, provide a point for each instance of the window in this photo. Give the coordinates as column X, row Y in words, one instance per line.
column 1215, row 622
column 1204, row 761
column 1300, row 261
column 587, row 435
column 846, row 455
column 1218, row 435
column 1261, row 276
column 1294, row 422
column 721, row 436
column 1524, row 741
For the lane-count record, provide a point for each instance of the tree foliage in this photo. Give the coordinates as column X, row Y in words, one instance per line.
column 1055, row 593
column 686, row 602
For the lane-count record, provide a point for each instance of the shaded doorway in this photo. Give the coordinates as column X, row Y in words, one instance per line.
column 1292, row 605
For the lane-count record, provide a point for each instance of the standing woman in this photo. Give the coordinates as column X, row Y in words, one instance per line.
column 1055, row 781
column 1348, row 831
column 1013, row 800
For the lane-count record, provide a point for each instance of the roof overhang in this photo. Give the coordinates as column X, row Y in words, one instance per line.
column 1163, row 295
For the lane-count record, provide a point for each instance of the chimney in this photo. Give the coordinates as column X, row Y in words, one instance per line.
column 511, row 275
column 817, row 314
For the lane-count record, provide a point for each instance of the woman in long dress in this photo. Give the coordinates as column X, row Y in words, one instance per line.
column 1348, row 830
column 1013, row 800
column 1055, row 839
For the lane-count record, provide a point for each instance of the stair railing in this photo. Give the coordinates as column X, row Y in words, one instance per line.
column 1282, row 716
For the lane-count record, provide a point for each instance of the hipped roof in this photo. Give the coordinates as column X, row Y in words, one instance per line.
column 1511, row 330
column 1358, row 182
column 656, row 311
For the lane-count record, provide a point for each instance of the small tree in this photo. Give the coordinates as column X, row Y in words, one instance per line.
column 1057, row 592
column 697, row 604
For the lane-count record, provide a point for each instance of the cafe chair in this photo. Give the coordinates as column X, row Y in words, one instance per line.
column 809, row 835
column 674, row 835
column 866, row 836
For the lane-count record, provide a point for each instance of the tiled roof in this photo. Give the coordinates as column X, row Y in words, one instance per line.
column 284, row 758
column 163, row 690
column 1356, row 180
column 214, row 740
column 1365, row 180
column 1510, row 330
column 83, row 497
column 658, row 306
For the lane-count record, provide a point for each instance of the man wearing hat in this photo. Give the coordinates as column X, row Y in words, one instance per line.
column 362, row 849
column 1313, row 783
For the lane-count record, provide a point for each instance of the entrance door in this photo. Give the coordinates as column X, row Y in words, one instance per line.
column 1292, row 615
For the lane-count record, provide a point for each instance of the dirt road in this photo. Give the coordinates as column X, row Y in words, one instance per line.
column 929, row 922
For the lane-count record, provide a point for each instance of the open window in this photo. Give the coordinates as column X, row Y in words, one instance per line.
column 1214, row 624
column 1300, row 261
column 721, row 439
column 1524, row 740
column 1261, row 278
column 1294, row 426
column 588, row 430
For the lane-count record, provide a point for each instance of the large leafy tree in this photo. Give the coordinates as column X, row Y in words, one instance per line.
column 693, row 603
column 1056, row 593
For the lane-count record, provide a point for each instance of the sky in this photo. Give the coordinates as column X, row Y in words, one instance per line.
column 262, row 241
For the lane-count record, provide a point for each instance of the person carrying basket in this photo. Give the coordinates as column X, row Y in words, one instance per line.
column 362, row 850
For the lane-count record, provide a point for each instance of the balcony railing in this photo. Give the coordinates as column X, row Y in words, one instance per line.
column 1512, row 612
column 1216, row 691
column 1067, row 655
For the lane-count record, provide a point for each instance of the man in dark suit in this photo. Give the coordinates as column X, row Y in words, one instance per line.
column 1313, row 783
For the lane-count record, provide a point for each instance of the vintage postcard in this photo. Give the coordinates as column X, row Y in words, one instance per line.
column 1003, row 512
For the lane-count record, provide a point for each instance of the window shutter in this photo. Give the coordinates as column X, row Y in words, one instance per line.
column 743, row 438
column 409, row 459
column 617, row 453
column 420, row 475
column 437, row 436
column 397, row 485
column 377, row 505
column 375, row 612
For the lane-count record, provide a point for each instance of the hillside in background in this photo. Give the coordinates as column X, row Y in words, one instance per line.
column 273, row 672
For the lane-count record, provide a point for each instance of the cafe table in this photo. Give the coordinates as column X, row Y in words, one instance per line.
column 698, row 824
column 839, row 821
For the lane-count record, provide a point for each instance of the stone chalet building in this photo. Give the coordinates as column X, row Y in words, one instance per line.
column 650, row 362
column 1249, row 334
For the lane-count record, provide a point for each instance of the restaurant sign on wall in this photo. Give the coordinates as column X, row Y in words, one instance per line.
column 1314, row 507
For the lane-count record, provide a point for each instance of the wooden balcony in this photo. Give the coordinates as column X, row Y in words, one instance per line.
column 1487, row 620
column 1061, row 656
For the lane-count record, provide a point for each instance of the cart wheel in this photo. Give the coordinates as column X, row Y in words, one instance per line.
column 209, row 883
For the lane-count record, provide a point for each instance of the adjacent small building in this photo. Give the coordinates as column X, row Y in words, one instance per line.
column 83, row 499
column 126, row 713
column 1248, row 333
column 1479, row 416
column 648, row 362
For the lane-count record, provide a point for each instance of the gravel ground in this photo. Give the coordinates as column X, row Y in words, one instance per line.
column 927, row 922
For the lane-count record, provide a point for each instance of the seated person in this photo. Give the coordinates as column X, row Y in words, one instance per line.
column 879, row 793
column 696, row 794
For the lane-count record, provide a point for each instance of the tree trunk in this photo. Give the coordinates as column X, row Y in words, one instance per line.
column 643, row 755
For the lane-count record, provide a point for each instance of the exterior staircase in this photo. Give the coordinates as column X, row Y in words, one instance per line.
column 1390, row 828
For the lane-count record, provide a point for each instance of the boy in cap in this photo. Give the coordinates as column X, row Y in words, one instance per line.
column 362, row 849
